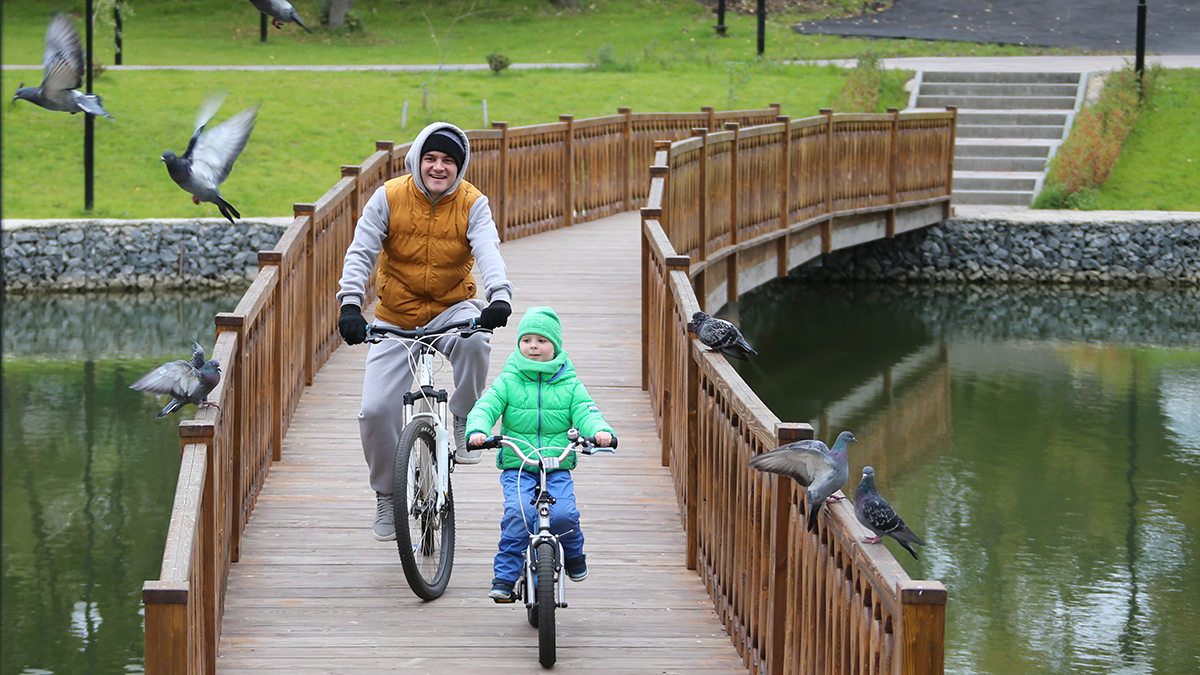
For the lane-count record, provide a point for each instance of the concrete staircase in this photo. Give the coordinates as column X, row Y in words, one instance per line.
column 1009, row 126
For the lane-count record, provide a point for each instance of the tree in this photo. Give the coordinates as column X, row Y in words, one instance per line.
column 337, row 12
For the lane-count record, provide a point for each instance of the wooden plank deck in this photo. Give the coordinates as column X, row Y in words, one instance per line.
column 315, row 593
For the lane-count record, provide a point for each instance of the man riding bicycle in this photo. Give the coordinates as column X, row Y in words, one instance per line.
column 427, row 229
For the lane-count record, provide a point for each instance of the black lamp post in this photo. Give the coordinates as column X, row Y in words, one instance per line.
column 88, row 123
column 1140, row 64
column 720, row 18
column 762, row 25
column 262, row 28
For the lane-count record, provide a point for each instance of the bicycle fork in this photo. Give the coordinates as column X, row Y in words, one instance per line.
column 426, row 392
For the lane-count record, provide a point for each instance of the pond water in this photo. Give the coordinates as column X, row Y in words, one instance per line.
column 88, row 473
column 1044, row 443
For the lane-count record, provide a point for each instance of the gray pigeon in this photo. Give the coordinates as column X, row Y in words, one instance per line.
column 184, row 381
column 280, row 11
column 63, row 62
column 721, row 336
column 210, row 155
column 817, row 468
column 874, row 511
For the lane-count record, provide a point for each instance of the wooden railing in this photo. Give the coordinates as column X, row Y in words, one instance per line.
column 727, row 211
column 285, row 328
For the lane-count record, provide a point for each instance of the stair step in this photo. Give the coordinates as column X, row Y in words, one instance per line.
column 993, row 131
column 1024, row 150
column 998, row 102
column 997, row 89
column 1004, row 118
column 991, row 198
column 1000, row 164
column 1056, row 78
column 998, row 181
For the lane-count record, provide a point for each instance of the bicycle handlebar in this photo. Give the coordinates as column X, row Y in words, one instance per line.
column 466, row 327
column 584, row 444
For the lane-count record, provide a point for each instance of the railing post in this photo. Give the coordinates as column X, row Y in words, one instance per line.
column 275, row 384
column 893, row 168
column 308, row 316
column 568, row 170
column 702, row 193
column 827, row 226
column 785, row 194
column 233, row 417
column 922, row 627
column 947, row 210
column 692, row 466
column 353, row 171
column 710, row 118
column 500, row 201
column 781, row 548
column 733, row 187
column 387, row 146
column 166, row 639
column 664, row 172
column 626, row 158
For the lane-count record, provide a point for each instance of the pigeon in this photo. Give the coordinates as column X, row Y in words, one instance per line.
column 210, row 155
column 280, row 11
column 721, row 336
column 874, row 511
column 817, row 468
column 184, row 381
column 63, row 62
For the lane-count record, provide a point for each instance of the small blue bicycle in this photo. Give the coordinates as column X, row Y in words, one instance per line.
column 544, row 554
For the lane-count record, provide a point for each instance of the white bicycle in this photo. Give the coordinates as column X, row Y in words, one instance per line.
column 544, row 554
column 423, row 501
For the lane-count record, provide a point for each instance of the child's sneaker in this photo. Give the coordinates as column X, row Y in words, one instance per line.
column 576, row 568
column 501, row 590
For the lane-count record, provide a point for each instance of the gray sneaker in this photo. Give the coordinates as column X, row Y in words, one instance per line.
column 463, row 454
column 385, row 519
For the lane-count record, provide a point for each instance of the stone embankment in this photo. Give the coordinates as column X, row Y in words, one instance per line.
column 122, row 255
column 1030, row 247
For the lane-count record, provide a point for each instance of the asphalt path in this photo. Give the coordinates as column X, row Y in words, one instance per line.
column 1172, row 26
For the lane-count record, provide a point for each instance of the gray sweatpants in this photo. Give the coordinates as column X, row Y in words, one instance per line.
column 389, row 375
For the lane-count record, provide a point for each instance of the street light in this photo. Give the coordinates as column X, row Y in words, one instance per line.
column 720, row 18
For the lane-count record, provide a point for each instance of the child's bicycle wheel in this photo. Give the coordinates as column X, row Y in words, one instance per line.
column 424, row 533
column 546, row 603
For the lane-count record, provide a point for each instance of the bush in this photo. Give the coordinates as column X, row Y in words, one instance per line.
column 861, row 93
column 498, row 62
column 1085, row 159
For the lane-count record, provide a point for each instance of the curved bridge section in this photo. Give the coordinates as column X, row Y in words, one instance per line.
column 789, row 601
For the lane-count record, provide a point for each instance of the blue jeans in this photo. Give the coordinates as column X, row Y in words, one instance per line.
column 514, row 537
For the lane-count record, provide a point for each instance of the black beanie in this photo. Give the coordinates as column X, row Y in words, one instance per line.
column 445, row 140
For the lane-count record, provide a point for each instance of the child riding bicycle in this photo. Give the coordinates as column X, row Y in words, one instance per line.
column 538, row 399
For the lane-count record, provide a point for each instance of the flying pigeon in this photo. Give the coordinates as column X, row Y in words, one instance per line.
column 721, row 336
column 63, row 62
column 184, row 381
column 874, row 511
column 210, row 155
column 280, row 11
column 817, row 468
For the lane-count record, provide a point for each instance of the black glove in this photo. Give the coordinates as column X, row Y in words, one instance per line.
column 494, row 315
column 352, row 325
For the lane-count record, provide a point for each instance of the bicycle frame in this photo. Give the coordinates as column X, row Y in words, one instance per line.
column 423, row 372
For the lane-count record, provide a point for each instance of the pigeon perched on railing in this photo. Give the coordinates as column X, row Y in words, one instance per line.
column 819, row 469
column 210, row 154
column 63, row 62
column 721, row 336
column 280, row 11
column 184, row 381
column 873, row 511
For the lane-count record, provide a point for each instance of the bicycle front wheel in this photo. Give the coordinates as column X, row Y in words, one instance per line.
column 424, row 532
column 546, row 603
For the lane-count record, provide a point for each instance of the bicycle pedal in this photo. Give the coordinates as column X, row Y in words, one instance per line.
column 504, row 601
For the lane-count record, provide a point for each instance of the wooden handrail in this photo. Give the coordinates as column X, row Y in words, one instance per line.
column 285, row 328
column 792, row 600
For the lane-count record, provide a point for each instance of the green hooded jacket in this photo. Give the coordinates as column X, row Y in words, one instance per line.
column 537, row 401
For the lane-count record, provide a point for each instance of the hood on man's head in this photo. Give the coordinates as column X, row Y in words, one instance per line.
column 448, row 133
column 541, row 321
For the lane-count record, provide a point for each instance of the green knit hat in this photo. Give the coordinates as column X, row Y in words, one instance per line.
column 541, row 321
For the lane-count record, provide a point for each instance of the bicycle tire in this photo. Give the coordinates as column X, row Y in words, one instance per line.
column 424, row 536
column 546, row 604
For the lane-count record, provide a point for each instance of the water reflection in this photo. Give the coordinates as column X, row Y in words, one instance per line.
column 1044, row 443
column 89, row 473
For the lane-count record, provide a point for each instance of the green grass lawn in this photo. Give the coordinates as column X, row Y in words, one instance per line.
column 172, row 32
column 311, row 123
column 1159, row 167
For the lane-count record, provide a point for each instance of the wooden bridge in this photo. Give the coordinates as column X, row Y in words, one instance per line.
column 699, row 564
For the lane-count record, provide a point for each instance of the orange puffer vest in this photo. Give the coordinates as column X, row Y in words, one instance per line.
column 426, row 263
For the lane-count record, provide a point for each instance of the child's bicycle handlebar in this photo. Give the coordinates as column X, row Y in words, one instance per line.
column 582, row 444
